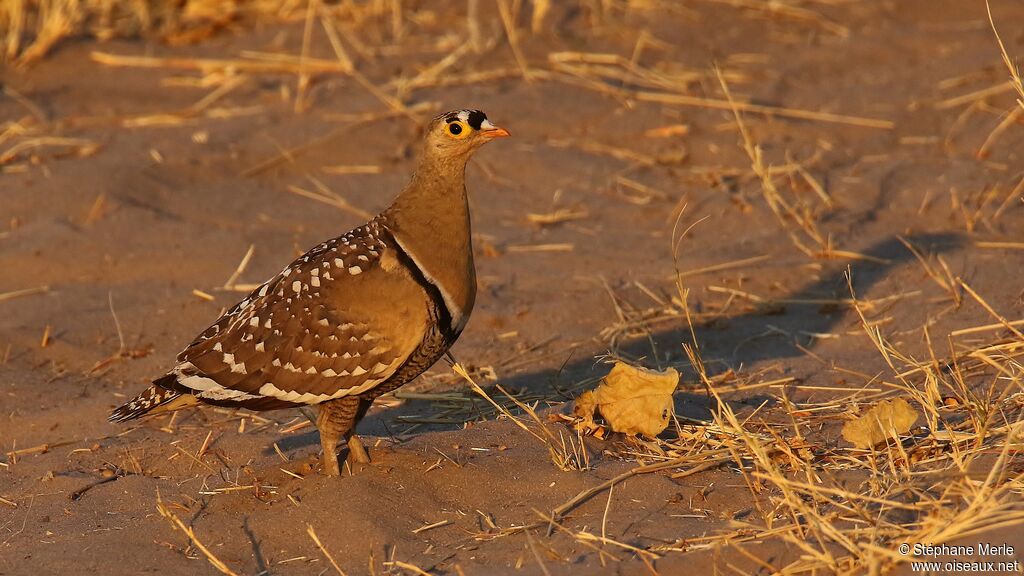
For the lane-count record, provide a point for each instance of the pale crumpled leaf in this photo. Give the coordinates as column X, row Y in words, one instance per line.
column 583, row 416
column 887, row 419
column 631, row 400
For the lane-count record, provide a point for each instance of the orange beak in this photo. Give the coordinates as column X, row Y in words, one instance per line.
column 495, row 132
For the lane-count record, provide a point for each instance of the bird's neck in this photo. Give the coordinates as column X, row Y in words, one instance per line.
column 430, row 219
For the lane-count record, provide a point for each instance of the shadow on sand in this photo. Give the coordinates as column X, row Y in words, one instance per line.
column 739, row 341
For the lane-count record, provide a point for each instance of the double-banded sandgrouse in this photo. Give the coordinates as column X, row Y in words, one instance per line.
column 353, row 318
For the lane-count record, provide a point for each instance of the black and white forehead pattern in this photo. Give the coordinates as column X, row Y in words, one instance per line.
column 474, row 118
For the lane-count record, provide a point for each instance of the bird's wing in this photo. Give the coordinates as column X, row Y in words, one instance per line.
column 319, row 330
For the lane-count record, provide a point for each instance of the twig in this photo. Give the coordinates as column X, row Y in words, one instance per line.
column 985, row 328
column 77, row 494
column 432, row 526
column 22, row 293
column 316, row 540
column 177, row 524
column 241, row 268
column 407, row 566
column 117, row 324
column 40, row 449
column 288, row 155
column 282, row 65
column 785, row 9
column 302, row 82
column 327, row 196
column 725, row 266
column 536, row 556
column 513, row 42
column 582, row 497
column 975, row 96
column 1006, row 323
column 684, row 100
column 1001, row 245
column 1010, row 119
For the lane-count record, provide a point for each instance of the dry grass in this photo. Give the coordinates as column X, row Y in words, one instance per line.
column 925, row 487
column 799, row 218
column 954, row 477
column 846, row 510
column 1015, row 79
column 32, row 28
column 566, row 452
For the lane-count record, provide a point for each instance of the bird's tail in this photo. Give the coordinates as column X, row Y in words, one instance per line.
column 157, row 398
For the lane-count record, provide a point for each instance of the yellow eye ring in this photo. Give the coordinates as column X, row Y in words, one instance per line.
column 457, row 129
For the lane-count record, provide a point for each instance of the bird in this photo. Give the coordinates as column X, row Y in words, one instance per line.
column 353, row 318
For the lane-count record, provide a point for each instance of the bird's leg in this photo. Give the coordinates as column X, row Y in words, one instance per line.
column 309, row 414
column 329, row 442
column 335, row 420
column 357, row 453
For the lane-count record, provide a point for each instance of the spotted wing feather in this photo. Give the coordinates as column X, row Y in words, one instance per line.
column 305, row 336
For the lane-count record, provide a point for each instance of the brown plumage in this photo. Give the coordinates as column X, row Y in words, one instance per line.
column 353, row 318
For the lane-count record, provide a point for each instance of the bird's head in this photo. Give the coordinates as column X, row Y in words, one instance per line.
column 458, row 133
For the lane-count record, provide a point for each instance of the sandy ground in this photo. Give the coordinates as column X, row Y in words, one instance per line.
column 159, row 211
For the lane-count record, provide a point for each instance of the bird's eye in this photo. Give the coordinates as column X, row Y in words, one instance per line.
column 457, row 129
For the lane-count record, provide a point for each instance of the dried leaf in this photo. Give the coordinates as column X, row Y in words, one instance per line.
column 632, row 400
column 583, row 415
column 887, row 419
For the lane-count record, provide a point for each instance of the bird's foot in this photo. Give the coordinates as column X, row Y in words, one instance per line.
column 330, row 462
column 358, row 457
